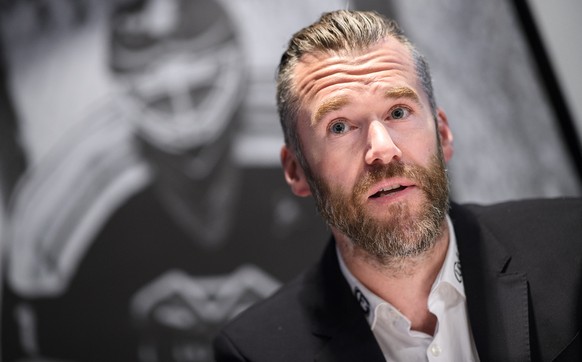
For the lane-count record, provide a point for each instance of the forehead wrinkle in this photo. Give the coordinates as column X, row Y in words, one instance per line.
column 320, row 70
column 333, row 69
column 329, row 106
column 326, row 68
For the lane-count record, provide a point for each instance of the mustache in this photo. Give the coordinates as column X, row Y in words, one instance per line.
column 379, row 172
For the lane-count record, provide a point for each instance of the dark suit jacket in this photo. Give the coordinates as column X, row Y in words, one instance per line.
column 522, row 270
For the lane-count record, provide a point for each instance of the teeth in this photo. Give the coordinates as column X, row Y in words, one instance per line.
column 390, row 188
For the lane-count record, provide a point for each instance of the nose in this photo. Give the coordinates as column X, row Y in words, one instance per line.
column 381, row 146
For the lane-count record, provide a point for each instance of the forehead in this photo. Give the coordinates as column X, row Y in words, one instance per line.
column 388, row 63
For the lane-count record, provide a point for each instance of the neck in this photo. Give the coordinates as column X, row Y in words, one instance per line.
column 403, row 282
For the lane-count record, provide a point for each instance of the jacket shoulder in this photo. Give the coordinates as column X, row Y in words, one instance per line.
column 532, row 220
column 263, row 331
column 550, row 206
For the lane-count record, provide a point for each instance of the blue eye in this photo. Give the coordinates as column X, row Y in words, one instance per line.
column 399, row 113
column 338, row 128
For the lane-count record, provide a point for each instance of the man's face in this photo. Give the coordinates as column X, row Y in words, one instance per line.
column 374, row 161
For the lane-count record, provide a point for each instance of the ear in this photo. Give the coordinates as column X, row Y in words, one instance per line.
column 445, row 134
column 294, row 174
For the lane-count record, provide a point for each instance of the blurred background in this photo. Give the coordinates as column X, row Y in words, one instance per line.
column 142, row 204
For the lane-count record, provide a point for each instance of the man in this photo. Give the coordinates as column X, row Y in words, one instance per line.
column 406, row 276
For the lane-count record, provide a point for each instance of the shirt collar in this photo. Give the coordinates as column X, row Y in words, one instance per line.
column 450, row 273
column 451, row 270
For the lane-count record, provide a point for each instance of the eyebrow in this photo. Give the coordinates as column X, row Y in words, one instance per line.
column 329, row 106
column 336, row 103
column 402, row 92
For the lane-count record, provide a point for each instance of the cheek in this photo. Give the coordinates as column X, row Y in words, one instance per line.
column 418, row 147
column 337, row 168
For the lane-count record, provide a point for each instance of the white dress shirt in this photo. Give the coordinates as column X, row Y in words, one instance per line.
column 452, row 341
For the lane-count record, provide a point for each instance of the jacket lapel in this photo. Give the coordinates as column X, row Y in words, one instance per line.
column 497, row 300
column 338, row 319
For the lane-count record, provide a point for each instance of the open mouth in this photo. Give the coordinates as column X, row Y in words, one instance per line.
column 386, row 191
